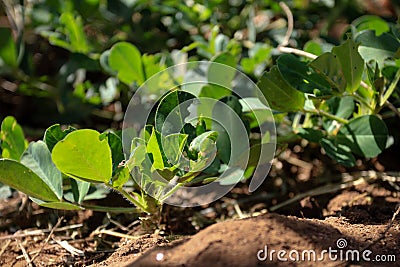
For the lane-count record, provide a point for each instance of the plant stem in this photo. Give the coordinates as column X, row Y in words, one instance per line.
column 132, row 199
column 328, row 115
column 296, row 51
column 363, row 101
column 170, row 192
column 391, row 88
column 289, row 16
column 393, row 108
column 110, row 209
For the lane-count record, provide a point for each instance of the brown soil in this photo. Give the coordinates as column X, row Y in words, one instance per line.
column 360, row 219
column 236, row 243
column 359, row 215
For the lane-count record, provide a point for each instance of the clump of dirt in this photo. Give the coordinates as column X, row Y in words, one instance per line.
column 238, row 242
column 132, row 249
column 355, row 219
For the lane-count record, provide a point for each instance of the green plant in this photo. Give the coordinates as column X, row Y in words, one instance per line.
column 336, row 99
column 337, row 96
column 59, row 171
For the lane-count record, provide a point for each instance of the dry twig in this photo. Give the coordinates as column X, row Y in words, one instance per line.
column 74, row 251
column 48, row 238
column 3, row 249
column 116, row 234
column 24, row 253
column 40, row 232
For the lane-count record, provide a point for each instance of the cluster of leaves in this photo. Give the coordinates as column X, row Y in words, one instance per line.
column 337, row 98
column 34, row 168
column 92, row 69
column 342, row 92
column 65, row 168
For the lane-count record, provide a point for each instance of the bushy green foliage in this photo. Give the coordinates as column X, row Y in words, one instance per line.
column 336, row 95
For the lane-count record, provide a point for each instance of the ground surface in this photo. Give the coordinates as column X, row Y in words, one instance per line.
column 358, row 215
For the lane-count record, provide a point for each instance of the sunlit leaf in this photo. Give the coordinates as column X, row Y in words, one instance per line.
column 125, row 58
column 82, row 155
column 121, row 177
column 370, row 22
column 154, row 147
column 13, row 142
column 8, row 51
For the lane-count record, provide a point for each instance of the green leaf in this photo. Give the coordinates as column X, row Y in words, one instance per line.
column 226, row 121
column 255, row 111
column 125, row 58
column 377, row 48
column 75, row 32
column 259, row 55
column 370, row 22
column 311, row 134
column 73, row 29
column 338, row 151
column 301, row 76
column 197, row 145
column 38, row 158
column 279, row 93
column 154, row 147
column 223, row 73
column 328, row 65
column 8, row 51
column 117, row 153
column 13, row 142
column 201, row 126
column 342, row 107
column 172, row 111
column 203, row 150
column 18, row 176
column 151, row 65
column 137, row 156
column 366, row 135
column 82, row 155
column 97, row 191
column 233, row 175
column 104, row 63
column 214, row 91
column 54, row 134
column 173, row 146
column 61, row 206
column 121, row 177
column 313, row 47
column 79, row 189
column 352, row 64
